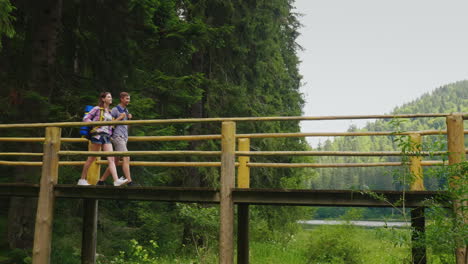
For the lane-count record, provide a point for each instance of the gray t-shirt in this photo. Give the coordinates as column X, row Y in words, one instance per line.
column 120, row 130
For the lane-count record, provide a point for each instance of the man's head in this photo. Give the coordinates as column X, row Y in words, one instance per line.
column 124, row 99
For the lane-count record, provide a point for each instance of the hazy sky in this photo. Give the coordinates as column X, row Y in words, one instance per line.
column 369, row 56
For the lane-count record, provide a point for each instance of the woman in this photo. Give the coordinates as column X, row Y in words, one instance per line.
column 100, row 138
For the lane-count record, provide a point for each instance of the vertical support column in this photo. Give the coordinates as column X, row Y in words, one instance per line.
column 456, row 149
column 89, row 239
column 46, row 201
column 415, row 163
column 418, row 250
column 94, row 171
column 90, row 216
column 243, row 181
column 226, row 229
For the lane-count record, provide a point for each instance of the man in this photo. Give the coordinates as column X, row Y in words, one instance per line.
column 120, row 137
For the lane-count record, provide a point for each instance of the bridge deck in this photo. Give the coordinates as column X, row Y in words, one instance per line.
column 240, row 196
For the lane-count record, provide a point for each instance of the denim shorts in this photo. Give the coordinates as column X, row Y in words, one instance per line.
column 101, row 139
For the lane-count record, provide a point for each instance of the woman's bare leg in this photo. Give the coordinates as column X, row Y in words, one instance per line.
column 111, row 166
column 84, row 172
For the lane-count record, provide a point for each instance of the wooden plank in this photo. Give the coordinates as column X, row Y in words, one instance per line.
column 19, row 190
column 240, row 196
column 163, row 194
column 226, row 227
column 46, row 201
column 334, row 197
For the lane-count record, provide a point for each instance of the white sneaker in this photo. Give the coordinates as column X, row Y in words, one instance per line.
column 83, row 182
column 120, row 181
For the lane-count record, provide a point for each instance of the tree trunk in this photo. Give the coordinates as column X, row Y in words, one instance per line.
column 45, row 27
column 44, row 24
column 196, row 111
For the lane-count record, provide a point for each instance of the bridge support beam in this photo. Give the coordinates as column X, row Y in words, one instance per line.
column 418, row 251
column 243, row 181
column 89, row 239
column 226, row 207
column 45, row 207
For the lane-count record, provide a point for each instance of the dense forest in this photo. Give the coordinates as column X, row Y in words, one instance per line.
column 446, row 99
column 177, row 59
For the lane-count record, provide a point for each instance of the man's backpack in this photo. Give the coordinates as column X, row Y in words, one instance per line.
column 122, row 110
column 87, row 131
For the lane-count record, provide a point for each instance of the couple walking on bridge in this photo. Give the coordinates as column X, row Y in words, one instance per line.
column 102, row 136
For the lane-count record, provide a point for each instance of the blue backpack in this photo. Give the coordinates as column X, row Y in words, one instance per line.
column 86, row 131
column 122, row 110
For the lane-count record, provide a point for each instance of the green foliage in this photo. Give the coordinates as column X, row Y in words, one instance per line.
column 6, row 19
column 349, row 244
column 449, row 98
column 334, row 245
column 177, row 59
column 137, row 254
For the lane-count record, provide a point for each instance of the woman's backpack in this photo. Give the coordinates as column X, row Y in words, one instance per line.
column 86, row 131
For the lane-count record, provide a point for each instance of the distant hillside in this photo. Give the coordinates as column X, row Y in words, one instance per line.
column 446, row 99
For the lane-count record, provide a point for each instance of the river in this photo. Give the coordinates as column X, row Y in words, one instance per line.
column 356, row 223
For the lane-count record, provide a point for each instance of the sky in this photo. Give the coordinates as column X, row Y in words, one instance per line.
column 369, row 56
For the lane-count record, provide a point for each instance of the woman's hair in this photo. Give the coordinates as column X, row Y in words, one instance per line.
column 101, row 97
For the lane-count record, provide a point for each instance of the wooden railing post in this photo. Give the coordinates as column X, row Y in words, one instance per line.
column 46, row 201
column 418, row 250
column 243, row 181
column 456, row 149
column 226, row 234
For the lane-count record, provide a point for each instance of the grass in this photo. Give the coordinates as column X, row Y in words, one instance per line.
column 270, row 253
column 374, row 246
column 323, row 244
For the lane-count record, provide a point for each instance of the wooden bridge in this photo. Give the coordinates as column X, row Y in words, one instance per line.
column 228, row 195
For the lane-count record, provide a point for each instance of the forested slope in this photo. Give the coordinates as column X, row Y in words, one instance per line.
column 446, row 99
column 177, row 59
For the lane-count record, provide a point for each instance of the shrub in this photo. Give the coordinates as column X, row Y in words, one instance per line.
column 334, row 245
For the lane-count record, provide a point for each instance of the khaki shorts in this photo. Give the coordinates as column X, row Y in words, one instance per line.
column 120, row 143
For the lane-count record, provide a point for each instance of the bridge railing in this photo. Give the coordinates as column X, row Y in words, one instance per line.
column 52, row 154
column 247, row 152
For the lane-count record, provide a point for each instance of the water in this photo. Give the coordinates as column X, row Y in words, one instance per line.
column 356, row 223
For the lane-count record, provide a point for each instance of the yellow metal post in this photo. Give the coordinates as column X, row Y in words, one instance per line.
column 243, row 181
column 45, row 205
column 456, row 149
column 243, row 172
column 418, row 250
column 226, row 232
column 94, row 171
column 415, row 163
